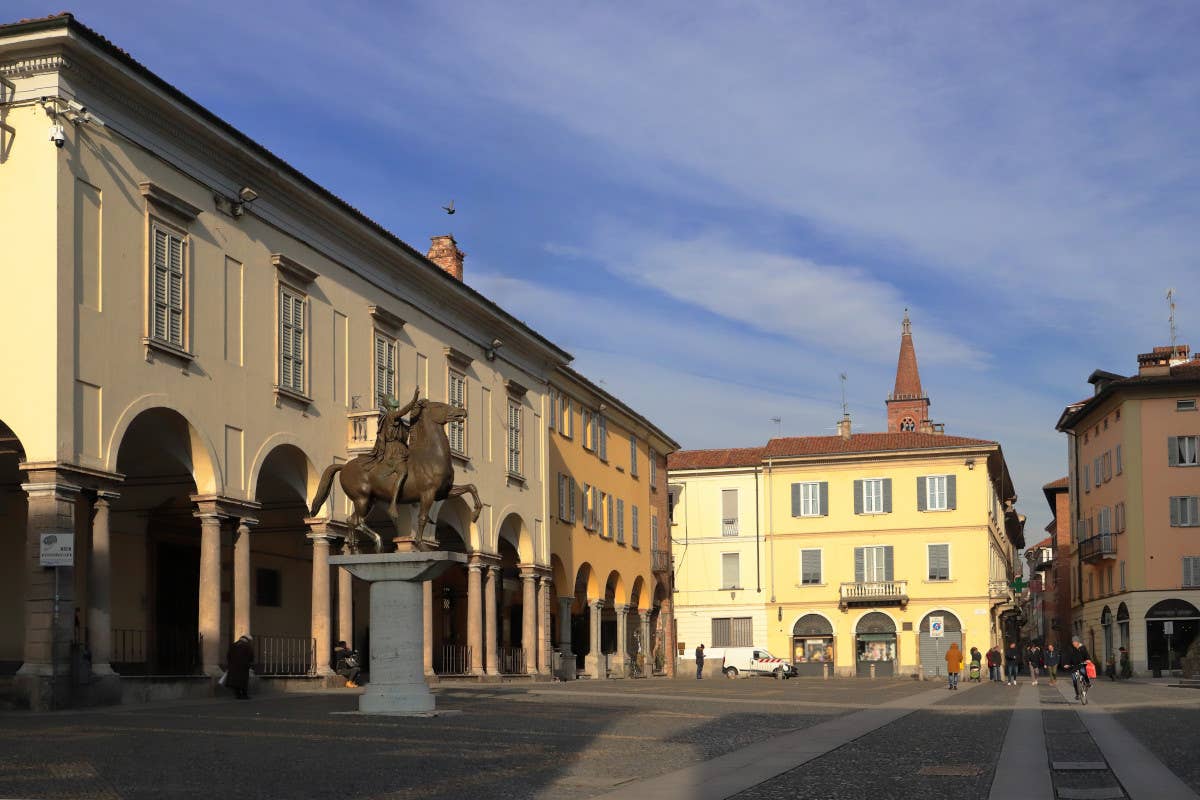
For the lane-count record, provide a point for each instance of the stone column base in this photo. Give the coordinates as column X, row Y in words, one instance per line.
column 566, row 667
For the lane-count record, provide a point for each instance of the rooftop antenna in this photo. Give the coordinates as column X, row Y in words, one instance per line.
column 778, row 425
column 1171, row 319
column 842, row 376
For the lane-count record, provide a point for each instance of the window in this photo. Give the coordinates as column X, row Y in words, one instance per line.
column 608, row 510
column 653, row 468
column 1119, row 517
column 1108, row 579
column 168, row 260
column 729, row 512
column 810, row 567
column 1091, row 586
column 514, row 437
column 1107, row 465
column 566, row 498
column 456, row 430
column 1096, row 469
column 620, row 521
column 1184, row 512
column 733, row 632
column 1181, row 451
column 1080, row 530
column 810, row 499
column 633, row 455
column 653, row 530
column 597, row 509
column 552, row 411
column 937, row 493
column 939, row 562
column 585, row 504
column 1087, row 479
column 1120, row 464
column 566, row 422
column 1185, row 405
column 589, row 429
column 268, row 587
column 1121, row 572
column 602, row 437
column 731, row 571
column 1104, row 520
column 291, row 339
column 385, row 368
column 873, row 496
column 1191, row 570
column 633, row 526
column 873, row 564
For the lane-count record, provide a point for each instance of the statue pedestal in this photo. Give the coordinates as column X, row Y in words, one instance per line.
column 397, row 684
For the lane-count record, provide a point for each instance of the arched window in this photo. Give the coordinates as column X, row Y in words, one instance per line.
column 907, row 424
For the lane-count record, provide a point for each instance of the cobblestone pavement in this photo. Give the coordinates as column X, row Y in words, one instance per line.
column 574, row 740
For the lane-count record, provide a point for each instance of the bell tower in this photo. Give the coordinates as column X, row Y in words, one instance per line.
column 908, row 405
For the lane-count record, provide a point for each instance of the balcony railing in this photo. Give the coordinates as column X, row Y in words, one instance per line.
column 999, row 590
column 361, row 429
column 660, row 560
column 729, row 527
column 1100, row 546
column 874, row 593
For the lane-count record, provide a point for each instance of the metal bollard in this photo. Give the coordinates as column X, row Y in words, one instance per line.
column 825, row 671
column 872, row 672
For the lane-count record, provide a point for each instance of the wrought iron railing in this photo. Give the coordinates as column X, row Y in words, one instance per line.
column 1102, row 545
column 511, row 660
column 660, row 560
column 874, row 592
column 285, row 655
column 166, row 651
column 452, row 659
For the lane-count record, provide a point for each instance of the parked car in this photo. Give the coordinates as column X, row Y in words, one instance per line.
column 740, row 661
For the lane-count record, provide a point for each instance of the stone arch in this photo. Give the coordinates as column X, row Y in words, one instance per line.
column 205, row 467
column 455, row 514
column 273, row 443
column 287, row 466
column 14, row 515
column 637, row 595
column 615, row 591
column 805, row 625
column 586, row 580
column 558, row 573
column 953, row 621
column 514, row 530
column 875, row 622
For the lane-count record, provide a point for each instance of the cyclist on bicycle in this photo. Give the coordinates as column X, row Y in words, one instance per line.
column 1075, row 661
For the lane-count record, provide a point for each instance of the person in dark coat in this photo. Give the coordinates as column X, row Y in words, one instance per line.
column 1074, row 663
column 238, row 661
column 993, row 662
column 345, row 662
column 1051, row 659
column 699, row 662
column 1012, row 663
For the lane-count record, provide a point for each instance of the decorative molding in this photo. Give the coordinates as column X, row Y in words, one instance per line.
column 165, row 348
column 223, row 506
column 164, row 201
column 283, row 393
column 293, row 269
column 515, row 389
column 457, row 357
column 34, row 65
column 385, row 319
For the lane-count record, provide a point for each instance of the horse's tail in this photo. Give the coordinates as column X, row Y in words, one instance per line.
column 323, row 487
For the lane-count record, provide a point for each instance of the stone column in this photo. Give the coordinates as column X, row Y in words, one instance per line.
column 564, row 625
column 647, row 646
column 545, row 648
column 345, row 592
column 595, row 659
column 475, row 614
column 427, row 625
column 241, row 578
column 622, row 640
column 48, row 622
column 490, row 629
column 320, row 625
column 529, row 617
column 100, row 588
column 209, row 616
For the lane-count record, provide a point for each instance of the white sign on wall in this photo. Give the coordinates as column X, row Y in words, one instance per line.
column 1168, row 628
column 58, row 549
column 937, row 627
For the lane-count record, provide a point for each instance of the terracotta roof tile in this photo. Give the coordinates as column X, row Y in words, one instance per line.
column 1043, row 543
column 865, row 443
column 715, row 459
column 1062, row 483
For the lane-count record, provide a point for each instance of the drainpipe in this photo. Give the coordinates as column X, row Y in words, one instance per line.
column 757, row 558
column 771, row 527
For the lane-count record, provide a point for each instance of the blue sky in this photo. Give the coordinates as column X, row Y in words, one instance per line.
column 719, row 207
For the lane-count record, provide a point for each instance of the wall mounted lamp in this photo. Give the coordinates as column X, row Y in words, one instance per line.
column 970, row 463
column 245, row 195
column 490, row 351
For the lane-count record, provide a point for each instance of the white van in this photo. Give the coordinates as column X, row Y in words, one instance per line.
column 740, row 661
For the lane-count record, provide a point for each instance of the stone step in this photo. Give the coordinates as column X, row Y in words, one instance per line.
column 1073, row 766
column 1098, row 793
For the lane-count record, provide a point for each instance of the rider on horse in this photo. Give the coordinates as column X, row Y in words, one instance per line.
column 391, row 443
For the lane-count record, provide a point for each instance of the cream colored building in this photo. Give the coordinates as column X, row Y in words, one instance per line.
column 202, row 329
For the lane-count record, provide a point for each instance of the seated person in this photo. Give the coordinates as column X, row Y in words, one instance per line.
column 345, row 663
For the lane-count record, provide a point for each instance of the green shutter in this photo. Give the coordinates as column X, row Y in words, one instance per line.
column 824, row 498
column 952, row 491
column 795, row 499
column 887, row 563
column 887, row 497
column 858, row 498
column 922, row 501
column 859, row 568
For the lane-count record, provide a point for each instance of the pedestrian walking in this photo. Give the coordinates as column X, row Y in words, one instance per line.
column 976, row 664
column 237, row 665
column 1033, row 659
column 1012, row 663
column 954, row 662
column 993, row 662
column 700, row 662
column 1051, row 658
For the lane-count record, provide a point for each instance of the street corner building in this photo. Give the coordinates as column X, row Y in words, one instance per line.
column 195, row 331
column 860, row 554
column 1132, row 496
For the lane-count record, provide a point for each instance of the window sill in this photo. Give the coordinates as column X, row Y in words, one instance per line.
column 621, row 543
column 872, row 513
column 811, row 585
column 159, row 346
column 292, row 396
column 461, row 458
column 935, row 510
column 730, row 589
column 947, row 580
column 808, row 516
column 515, row 478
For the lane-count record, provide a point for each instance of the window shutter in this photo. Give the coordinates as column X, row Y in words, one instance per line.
column 951, row 491
column 824, row 498
column 887, row 563
column 571, row 487
column 380, row 368
column 859, row 568
column 729, row 504
column 1173, row 451
column 1175, row 503
column 729, row 570
column 562, row 499
column 858, row 499
column 922, row 498
column 887, row 497
column 795, row 499
column 586, row 507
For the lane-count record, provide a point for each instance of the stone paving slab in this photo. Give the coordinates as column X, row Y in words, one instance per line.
column 1102, row 793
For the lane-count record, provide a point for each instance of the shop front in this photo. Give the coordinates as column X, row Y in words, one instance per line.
column 875, row 645
column 812, row 646
column 939, row 629
column 1171, row 625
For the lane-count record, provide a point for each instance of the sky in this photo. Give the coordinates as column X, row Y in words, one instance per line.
column 719, row 207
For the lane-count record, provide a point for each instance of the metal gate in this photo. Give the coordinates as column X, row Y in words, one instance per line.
column 933, row 649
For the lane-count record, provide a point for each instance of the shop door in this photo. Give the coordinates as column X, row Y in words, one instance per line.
column 933, row 651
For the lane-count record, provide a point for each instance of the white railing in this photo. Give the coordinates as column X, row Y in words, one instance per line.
column 871, row 591
column 362, row 427
column 729, row 527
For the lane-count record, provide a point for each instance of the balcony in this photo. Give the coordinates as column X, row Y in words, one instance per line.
column 660, row 560
column 1044, row 558
column 729, row 527
column 874, row 593
column 362, row 427
column 1097, row 548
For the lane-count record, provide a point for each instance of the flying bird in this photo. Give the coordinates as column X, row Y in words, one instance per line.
column 450, row 208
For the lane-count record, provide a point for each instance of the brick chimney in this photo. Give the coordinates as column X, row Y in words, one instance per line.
column 843, row 427
column 444, row 252
column 1161, row 359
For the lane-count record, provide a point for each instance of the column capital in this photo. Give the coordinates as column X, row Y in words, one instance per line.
column 227, row 507
column 646, row 615
column 481, row 559
column 528, row 572
column 72, row 474
column 597, row 605
column 621, row 608
column 52, row 488
column 106, row 497
column 326, row 528
column 247, row 523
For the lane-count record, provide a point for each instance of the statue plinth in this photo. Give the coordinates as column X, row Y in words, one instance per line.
column 397, row 670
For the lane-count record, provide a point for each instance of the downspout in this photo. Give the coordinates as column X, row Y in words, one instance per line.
column 771, row 526
column 757, row 558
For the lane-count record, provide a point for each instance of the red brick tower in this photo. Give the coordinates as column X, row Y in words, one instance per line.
column 908, row 405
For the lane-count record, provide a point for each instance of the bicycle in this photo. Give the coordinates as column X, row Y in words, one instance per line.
column 1080, row 681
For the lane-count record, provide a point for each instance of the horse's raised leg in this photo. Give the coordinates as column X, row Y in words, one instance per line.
column 468, row 488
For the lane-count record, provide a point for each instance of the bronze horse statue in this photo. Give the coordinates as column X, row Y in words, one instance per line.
column 430, row 477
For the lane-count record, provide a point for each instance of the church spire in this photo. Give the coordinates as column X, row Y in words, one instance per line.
column 908, row 406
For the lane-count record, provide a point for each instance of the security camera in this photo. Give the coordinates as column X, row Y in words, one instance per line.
column 57, row 135
column 77, row 107
column 497, row 344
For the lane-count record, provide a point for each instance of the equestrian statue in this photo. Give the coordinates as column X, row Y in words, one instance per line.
column 410, row 463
